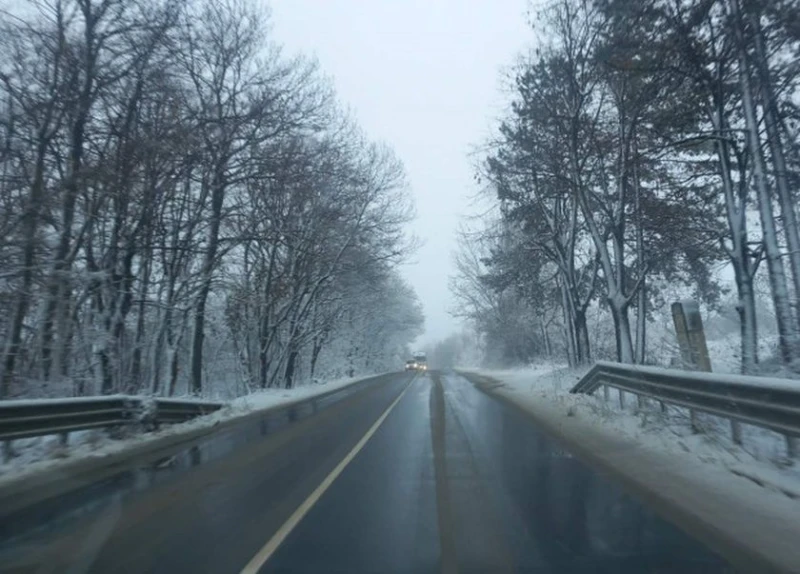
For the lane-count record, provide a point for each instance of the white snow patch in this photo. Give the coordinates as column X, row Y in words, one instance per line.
column 761, row 458
column 46, row 453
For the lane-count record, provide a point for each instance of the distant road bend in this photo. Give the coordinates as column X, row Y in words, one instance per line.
column 402, row 473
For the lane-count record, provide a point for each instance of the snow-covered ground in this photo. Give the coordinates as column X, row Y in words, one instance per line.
column 38, row 454
column 761, row 458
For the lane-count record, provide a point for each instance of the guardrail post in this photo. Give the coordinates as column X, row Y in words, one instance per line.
column 606, row 393
column 156, row 422
column 63, row 438
column 621, row 398
column 693, row 421
column 791, row 447
column 736, row 432
column 195, row 456
column 8, row 451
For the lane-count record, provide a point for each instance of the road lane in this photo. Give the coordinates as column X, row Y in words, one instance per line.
column 381, row 513
column 210, row 517
column 280, row 535
column 559, row 514
column 510, row 500
column 451, row 481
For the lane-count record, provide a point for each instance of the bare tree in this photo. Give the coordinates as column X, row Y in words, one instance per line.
column 166, row 172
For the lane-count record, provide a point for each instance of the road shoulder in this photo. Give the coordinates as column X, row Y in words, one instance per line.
column 755, row 534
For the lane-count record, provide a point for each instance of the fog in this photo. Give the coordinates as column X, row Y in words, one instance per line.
column 424, row 77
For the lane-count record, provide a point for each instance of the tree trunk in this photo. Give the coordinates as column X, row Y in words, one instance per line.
column 290, row 367
column 30, row 222
column 101, row 348
column 59, row 289
column 614, row 276
column 209, row 261
column 263, row 368
column 164, row 337
column 775, row 144
column 293, row 347
column 622, row 328
column 742, row 261
column 172, row 354
column 641, row 325
column 158, row 356
column 747, row 321
column 641, row 307
column 136, row 359
column 583, row 352
column 173, row 345
column 569, row 326
column 315, row 351
column 263, row 349
column 548, row 351
column 122, row 293
column 198, row 339
column 787, row 329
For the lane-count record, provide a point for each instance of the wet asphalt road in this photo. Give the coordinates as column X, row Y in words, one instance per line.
column 451, row 481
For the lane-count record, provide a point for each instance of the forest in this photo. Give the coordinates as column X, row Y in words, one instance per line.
column 648, row 151
column 185, row 208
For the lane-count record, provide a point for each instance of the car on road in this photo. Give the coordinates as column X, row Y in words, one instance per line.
column 422, row 361
column 411, row 365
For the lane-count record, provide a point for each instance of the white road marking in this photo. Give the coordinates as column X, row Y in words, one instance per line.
column 258, row 561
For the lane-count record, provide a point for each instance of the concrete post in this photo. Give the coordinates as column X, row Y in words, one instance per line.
column 694, row 351
column 691, row 337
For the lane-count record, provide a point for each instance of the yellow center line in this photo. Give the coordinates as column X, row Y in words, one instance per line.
column 280, row 535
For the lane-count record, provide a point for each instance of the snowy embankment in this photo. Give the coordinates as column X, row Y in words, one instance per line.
column 36, row 455
column 745, row 498
column 761, row 457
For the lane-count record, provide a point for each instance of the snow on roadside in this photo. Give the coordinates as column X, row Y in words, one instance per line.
column 761, row 458
column 38, row 454
column 273, row 397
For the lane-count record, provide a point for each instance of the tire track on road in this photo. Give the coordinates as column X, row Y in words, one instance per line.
column 444, row 510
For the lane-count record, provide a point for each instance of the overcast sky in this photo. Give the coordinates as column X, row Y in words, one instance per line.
column 424, row 76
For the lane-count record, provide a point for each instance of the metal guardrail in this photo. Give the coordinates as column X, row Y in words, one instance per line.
column 24, row 419
column 765, row 402
column 31, row 418
column 170, row 411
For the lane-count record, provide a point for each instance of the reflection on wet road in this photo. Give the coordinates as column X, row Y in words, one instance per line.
column 455, row 481
column 451, row 481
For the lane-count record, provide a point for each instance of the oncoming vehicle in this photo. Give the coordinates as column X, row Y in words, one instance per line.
column 422, row 361
column 411, row 365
